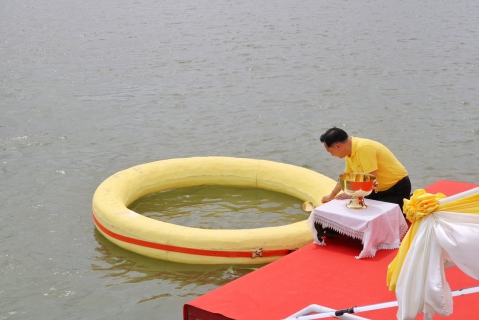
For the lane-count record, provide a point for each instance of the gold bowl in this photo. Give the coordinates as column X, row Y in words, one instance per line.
column 357, row 185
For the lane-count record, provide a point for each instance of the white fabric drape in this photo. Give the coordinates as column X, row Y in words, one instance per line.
column 443, row 238
column 379, row 227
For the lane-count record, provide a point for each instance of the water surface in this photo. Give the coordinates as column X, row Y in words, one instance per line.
column 221, row 207
column 94, row 87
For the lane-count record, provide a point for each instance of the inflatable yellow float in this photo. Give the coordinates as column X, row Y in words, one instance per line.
column 167, row 241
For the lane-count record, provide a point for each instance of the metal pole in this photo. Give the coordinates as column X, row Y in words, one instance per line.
column 324, row 312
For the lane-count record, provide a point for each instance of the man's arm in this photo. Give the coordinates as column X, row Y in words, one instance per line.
column 333, row 194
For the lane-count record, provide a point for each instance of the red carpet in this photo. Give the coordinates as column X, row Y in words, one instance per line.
column 329, row 276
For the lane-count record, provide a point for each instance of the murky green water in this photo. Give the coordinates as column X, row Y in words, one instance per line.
column 221, row 207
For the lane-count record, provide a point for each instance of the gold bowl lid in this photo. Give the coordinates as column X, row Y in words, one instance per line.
column 308, row 206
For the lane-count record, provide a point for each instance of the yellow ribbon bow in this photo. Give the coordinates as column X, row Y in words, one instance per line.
column 421, row 204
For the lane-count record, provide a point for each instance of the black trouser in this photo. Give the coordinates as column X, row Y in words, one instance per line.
column 396, row 194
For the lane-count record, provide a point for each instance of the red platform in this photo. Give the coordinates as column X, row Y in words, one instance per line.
column 329, row 276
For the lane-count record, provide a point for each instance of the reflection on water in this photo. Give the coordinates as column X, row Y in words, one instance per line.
column 125, row 267
column 220, row 207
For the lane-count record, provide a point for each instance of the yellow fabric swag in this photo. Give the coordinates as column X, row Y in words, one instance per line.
column 420, row 205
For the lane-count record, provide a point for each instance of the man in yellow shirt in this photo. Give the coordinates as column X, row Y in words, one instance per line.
column 368, row 156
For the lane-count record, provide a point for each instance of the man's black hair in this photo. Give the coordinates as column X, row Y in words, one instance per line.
column 333, row 135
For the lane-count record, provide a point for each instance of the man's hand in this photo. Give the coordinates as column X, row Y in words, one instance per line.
column 343, row 196
column 329, row 197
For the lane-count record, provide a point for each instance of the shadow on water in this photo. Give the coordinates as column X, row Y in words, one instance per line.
column 121, row 266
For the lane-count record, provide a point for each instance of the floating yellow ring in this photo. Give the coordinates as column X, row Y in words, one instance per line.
column 167, row 241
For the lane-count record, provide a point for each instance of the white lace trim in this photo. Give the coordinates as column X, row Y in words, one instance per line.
column 383, row 246
column 326, row 223
column 403, row 230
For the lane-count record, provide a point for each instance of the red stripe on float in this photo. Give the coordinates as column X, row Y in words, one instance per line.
column 200, row 252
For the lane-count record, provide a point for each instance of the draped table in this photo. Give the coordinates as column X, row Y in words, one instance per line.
column 380, row 226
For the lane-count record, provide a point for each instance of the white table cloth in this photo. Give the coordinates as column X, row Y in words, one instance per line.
column 380, row 226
